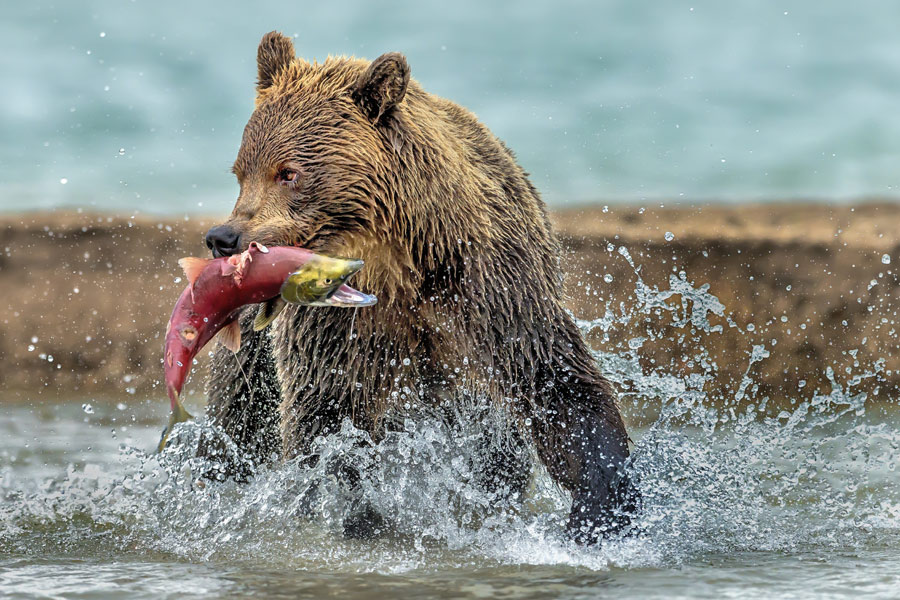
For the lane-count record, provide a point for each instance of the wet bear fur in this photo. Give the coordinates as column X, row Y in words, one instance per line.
column 353, row 158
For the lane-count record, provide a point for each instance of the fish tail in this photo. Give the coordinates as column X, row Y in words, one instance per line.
column 178, row 415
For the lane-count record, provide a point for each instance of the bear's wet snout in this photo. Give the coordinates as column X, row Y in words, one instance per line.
column 223, row 240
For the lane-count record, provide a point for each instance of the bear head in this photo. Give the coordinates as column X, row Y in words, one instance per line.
column 317, row 165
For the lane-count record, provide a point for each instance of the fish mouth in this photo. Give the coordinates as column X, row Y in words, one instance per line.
column 347, row 297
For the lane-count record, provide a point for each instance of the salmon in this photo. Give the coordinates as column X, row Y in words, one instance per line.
column 218, row 288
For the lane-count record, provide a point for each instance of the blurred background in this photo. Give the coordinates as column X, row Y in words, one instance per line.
column 138, row 106
column 723, row 176
column 753, row 147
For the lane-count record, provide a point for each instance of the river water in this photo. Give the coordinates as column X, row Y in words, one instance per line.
column 744, row 496
column 140, row 105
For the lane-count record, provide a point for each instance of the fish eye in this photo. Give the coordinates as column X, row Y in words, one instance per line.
column 327, row 281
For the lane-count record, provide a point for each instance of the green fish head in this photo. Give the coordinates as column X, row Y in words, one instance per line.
column 317, row 280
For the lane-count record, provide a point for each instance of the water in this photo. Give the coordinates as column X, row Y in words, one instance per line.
column 139, row 106
column 83, row 516
column 744, row 496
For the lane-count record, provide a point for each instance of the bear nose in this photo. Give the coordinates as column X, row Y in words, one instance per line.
column 223, row 240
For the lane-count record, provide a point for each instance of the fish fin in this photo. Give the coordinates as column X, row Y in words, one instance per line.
column 163, row 438
column 229, row 267
column 230, row 336
column 193, row 266
column 267, row 313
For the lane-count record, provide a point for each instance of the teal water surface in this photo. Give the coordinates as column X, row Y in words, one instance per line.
column 139, row 105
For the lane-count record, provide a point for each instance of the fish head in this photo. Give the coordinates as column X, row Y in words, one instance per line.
column 315, row 282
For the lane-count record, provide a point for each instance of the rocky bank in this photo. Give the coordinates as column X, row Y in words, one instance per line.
column 85, row 297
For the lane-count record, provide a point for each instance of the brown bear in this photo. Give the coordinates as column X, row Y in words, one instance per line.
column 353, row 158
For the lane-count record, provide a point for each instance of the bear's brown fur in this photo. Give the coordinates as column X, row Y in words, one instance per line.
column 354, row 158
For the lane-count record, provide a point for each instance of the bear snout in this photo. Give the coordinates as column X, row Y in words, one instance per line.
column 223, row 240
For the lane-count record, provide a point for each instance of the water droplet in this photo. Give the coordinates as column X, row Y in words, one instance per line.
column 608, row 278
column 669, row 236
column 87, row 408
column 64, row 181
column 121, row 151
column 886, row 259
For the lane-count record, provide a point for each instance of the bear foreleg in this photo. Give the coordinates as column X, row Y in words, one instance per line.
column 581, row 438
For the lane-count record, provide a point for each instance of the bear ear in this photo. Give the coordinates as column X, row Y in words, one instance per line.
column 382, row 86
column 276, row 52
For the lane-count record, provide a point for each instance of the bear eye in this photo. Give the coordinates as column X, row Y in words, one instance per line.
column 287, row 176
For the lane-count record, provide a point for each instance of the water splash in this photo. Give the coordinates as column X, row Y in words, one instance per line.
column 720, row 472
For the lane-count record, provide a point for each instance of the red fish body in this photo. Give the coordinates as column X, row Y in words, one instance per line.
column 219, row 288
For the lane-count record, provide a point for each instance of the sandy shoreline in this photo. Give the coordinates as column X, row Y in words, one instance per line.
column 85, row 297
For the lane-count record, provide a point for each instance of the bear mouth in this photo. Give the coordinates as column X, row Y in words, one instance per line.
column 316, row 243
column 322, row 238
